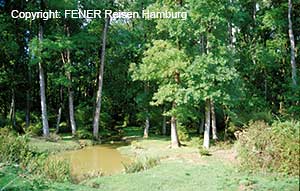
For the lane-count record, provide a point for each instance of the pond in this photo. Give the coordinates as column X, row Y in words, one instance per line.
column 94, row 159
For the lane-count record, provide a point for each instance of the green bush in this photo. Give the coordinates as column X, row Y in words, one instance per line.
column 141, row 164
column 203, row 151
column 270, row 148
column 44, row 167
column 16, row 151
column 84, row 134
column 35, row 129
column 183, row 134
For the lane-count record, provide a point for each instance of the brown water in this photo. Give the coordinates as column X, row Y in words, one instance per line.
column 91, row 160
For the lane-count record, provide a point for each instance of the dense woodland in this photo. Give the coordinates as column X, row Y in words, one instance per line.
column 228, row 62
column 229, row 71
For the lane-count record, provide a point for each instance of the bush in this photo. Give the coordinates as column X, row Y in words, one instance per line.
column 203, row 151
column 35, row 129
column 16, row 151
column 141, row 164
column 270, row 148
column 183, row 134
column 84, row 134
column 43, row 167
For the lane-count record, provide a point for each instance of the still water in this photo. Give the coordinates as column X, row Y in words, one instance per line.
column 93, row 159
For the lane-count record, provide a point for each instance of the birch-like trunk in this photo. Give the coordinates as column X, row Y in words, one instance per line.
column 213, row 120
column 12, row 111
column 43, row 89
column 174, row 136
column 292, row 41
column 70, row 91
column 207, row 124
column 147, row 125
column 100, row 81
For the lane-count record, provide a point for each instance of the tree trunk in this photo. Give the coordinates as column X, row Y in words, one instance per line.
column 28, row 100
column 213, row 120
column 12, row 112
column 174, row 136
column 70, row 93
column 67, row 60
column 27, row 117
column 207, row 124
column 292, row 41
column 147, row 125
column 164, row 127
column 201, row 126
column 42, row 90
column 100, row 83
column 59, row 109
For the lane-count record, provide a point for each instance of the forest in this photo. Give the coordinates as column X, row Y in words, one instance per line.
column 149, row 95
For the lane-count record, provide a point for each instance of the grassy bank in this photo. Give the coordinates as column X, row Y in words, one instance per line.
column 182, row 169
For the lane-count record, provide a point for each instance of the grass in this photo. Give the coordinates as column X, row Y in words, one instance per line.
column 178, row 176
column 180, row 169
column 66, row 143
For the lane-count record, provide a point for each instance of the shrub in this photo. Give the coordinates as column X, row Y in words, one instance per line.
column 183, row 134
column 141, row 164
column 44, row 167
column 270, row 148
column 84, row 134
column 203, row 151
column 35, row 129
column 16, row 151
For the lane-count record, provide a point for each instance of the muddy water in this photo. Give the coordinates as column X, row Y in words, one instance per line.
column 90, row 160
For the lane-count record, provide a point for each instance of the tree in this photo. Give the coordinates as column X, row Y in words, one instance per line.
column 100, row 83
column 42, row 81
column 163, row 64
column 292, row 42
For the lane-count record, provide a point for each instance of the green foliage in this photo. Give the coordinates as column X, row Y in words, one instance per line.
column 47, row 168
column 84, row 134
column 35, row 129
column 270, row 148
column 183, row 133
column 16, row 151
column 141, row 164
column 204, row 152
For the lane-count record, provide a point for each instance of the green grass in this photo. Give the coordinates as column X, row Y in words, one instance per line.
column 181, row 169
column 176, row 176
column 66, row 143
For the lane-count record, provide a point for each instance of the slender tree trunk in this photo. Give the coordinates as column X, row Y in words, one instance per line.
column 207, row 124
column 147, row 125
column 292, row 41
column 28, row 100
column 213, row 120
column 164, row 127
column 12, row 112
column 70, row 92
column 42, row 89
column 67, row 60
column 201, row 126
column 27, row 117
column 59, row 109
column 100, row 81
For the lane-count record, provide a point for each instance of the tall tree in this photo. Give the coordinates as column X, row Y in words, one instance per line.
column 100, row 82
column 163, row 64
column 292, row 42
column 42, row 80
